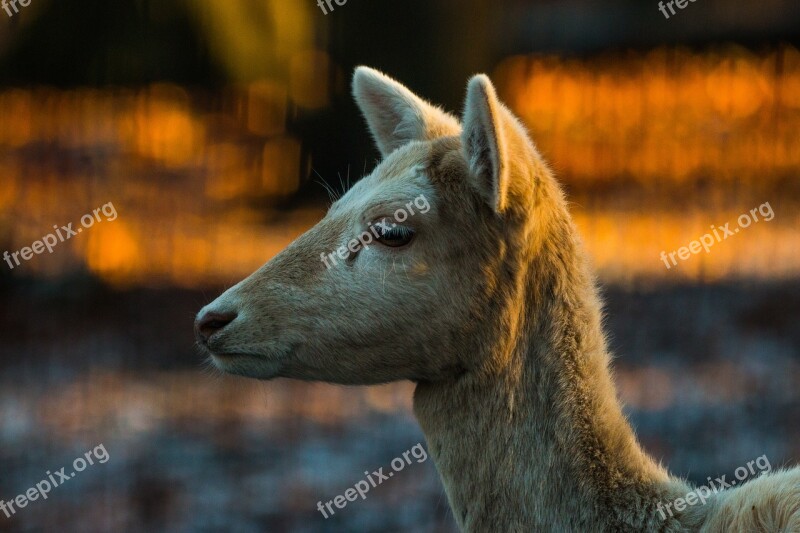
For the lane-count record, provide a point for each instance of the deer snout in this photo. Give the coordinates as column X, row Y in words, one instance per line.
column 210, row 322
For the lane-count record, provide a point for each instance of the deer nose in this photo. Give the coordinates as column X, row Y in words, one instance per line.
column 211, row 322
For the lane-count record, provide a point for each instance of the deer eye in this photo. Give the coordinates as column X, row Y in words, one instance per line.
column 394, row 236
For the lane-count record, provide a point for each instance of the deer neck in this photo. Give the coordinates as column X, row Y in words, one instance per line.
column 537, row 438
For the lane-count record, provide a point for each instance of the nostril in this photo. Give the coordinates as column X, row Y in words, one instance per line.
column 211, row 323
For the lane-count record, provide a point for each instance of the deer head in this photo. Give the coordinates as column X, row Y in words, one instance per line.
column 455, row 215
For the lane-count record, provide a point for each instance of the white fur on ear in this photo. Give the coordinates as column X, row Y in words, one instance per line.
column 484, row 143
column 395, row 115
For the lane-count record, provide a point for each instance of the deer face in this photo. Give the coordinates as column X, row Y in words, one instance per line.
column 395, row 281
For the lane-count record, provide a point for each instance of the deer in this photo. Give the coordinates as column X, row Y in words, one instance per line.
column 488, row 304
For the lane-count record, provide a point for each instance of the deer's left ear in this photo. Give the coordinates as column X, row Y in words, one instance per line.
column 395, row 115
column 485, row 143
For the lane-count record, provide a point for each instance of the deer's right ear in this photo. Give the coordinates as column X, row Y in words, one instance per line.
column 395, row 115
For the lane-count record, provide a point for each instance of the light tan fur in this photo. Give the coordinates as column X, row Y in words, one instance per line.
column 493, row 312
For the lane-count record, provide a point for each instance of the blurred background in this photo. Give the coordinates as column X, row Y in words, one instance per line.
column 210, row 127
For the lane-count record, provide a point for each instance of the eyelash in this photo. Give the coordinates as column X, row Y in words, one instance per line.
column 396, row 236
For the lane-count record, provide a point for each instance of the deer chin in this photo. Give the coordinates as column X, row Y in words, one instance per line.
column 263, row 366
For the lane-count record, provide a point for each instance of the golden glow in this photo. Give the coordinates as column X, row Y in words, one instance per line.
column 163, row 128
column 111, row 250
column 266, row 108
column 666, row 115
column 187, row 179
column 180, row 177
column 308, row 78
column 626, row 246
column 254, row 40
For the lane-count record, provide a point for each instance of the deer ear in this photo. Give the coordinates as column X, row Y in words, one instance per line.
column 395, row 115
column 484, row 142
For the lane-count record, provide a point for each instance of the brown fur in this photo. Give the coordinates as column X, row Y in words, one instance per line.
column 493, row 312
